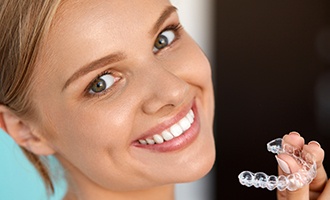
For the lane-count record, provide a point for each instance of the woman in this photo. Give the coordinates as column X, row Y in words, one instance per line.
column 116, row 90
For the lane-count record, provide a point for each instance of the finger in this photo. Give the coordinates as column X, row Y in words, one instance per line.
column 326, row 192
column 288, row 165
column 301, row 194
column 294, row 139
column 321, row 178
column 286, row 162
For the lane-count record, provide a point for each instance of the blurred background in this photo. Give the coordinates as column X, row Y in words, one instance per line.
column 271, row 63
column 197, row 18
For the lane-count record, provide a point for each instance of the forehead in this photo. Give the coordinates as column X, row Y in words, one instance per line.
column 93, row 14
column 85, row 22
column 81, row 28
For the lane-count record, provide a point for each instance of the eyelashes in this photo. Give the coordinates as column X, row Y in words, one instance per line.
column 167, row 37
column 101, row 83
column 105, row 81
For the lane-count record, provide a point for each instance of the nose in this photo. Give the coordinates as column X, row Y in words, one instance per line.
column 164, row 91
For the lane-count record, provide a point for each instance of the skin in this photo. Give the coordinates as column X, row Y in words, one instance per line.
column 94, row 136
column 319, row 188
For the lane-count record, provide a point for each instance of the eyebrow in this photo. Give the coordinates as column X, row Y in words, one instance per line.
column 165, row 14
column 106, row 60
column 116, row 57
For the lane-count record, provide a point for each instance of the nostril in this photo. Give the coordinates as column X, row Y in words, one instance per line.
column 164, row 100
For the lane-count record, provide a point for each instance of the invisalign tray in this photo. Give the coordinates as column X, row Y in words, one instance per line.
column 290, row 182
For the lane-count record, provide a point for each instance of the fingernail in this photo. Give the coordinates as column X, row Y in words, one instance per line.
column 314, row 142
column 283, row 165
column 294, row 133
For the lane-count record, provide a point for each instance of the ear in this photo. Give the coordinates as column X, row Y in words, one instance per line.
column 23, row 133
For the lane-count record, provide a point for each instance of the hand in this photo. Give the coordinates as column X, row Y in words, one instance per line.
column 319, row 188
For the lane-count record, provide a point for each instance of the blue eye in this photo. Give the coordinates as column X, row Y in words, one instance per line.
column 101, row 83
column 164, row 39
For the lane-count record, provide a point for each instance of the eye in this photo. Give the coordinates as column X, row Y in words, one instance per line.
column 101, row 83
column 164, row 39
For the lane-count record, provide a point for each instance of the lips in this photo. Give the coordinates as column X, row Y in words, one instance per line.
column 172, row 132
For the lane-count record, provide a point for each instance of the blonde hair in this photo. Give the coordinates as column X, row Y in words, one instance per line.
column 23, row 25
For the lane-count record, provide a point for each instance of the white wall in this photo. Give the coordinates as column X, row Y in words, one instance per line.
column 196, row 17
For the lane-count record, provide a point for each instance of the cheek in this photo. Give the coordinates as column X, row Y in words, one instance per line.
column 200, row 75
column 75, row 128
column 85, row 137
column 195, row 67
column 197, row 72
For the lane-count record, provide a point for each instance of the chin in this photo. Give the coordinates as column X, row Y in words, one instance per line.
column 198, row 167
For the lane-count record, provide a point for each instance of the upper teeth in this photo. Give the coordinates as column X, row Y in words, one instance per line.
column 174, row 131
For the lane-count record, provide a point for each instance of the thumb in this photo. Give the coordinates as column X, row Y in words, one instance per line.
column 288, row 165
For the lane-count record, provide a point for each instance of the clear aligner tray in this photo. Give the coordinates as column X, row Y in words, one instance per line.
column 290, row 182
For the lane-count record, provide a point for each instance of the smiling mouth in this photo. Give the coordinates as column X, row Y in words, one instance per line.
column 174, row 131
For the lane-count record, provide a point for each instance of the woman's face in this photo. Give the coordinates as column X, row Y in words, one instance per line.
column 114, row 77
